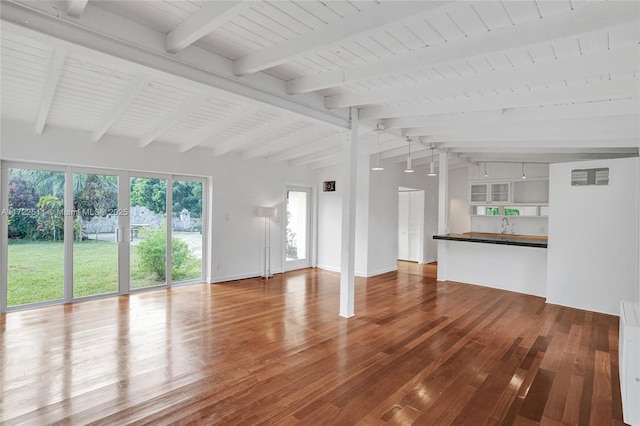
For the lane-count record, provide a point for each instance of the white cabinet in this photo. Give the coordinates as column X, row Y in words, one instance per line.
column 490, row 193
column 479, row 193
column 531, row 192
column 500, row 192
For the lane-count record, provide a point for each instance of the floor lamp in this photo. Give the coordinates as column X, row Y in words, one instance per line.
column 267, row 213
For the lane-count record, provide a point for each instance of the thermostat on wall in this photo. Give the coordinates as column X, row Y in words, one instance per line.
column 329, row 186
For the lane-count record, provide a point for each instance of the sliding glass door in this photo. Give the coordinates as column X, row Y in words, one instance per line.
column 186, row 230
column 35, row 236
column 95, row 234
column 75, row 233
column 148, row 232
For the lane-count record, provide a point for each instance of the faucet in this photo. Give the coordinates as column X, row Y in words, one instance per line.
column 505, row 225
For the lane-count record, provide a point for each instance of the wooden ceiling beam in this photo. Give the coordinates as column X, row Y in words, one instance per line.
column 55, row 70
column 348, row 28
column 608, row 61
column 576, row 93
column 509, row 115
column 586, row 19
column 211, row 16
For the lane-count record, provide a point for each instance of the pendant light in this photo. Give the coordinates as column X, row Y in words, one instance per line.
column 409, row 169
column 485, row 169
column 378, row 130
column 432, row 170
column 523, row 175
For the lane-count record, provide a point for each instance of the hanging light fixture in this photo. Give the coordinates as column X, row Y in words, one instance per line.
column 409, row 169
column 485, row 169
column 432, row 170
column 378, row 130
column 524, row 176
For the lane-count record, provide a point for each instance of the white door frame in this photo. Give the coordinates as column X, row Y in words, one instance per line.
column 302, row 263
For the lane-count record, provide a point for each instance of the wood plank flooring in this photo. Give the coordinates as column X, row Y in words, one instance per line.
column 253, row 352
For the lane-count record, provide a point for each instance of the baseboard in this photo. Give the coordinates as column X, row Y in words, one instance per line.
column 360, row 273
column 328, row 268
column 240, row 276
column 382, row 271
column 429, row 261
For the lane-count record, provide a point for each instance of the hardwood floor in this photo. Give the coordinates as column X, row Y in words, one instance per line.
column 255, row 352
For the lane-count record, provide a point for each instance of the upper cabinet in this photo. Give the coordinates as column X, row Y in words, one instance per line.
column 500, row 192
column 490, row 193
column 525, row 192
column 479, row 193
column 531, row 192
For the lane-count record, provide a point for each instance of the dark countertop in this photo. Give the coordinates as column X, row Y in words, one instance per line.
column 509, row 240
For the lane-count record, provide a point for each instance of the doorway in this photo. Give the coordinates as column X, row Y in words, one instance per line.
column 411, row 224
column 297, row 228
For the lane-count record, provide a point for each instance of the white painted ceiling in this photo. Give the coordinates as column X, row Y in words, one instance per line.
column 508, row 80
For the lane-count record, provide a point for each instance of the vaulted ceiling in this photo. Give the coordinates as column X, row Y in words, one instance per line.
column 521, row 80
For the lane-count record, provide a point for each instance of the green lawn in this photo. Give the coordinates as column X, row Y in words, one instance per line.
column 35, row 270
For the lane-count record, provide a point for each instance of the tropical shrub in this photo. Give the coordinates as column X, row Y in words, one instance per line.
column 152, row 254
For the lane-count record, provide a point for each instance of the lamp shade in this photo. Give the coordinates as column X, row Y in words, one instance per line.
column 267, row 212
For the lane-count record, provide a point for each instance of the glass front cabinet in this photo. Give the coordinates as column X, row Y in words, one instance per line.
column 490, row 193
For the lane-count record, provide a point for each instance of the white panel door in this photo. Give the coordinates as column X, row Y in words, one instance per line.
column 403, row 226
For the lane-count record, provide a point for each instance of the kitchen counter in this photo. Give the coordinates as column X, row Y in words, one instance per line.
column 507, row 262
column 503, row 239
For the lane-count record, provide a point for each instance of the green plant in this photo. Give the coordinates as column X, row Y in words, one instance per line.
column 50, row 218
column 152, row 254
column 22, row 201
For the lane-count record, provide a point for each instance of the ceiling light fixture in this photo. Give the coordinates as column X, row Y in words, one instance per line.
column 379, row 128
column 524, row 176
column 432, row 170
column 409, row 169
column 485, row 169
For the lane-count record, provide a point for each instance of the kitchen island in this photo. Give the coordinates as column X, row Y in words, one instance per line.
column 508, row 262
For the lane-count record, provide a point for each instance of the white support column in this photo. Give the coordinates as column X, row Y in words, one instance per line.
column 443, row 211
column 347, row 264
column 4, row 217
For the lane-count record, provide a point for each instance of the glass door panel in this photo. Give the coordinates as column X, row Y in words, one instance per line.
column 148, row 232
column 186, row 232
column 95, row 246
column 35, row 252
column 297, row 227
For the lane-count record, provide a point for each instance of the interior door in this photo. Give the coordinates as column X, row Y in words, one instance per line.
column 410, row 225
column 297, row 228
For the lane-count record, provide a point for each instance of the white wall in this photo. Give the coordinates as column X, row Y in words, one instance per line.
column 383, row 219
column 459, row 182
column 330, row 219
column 593, row 237
column 459, row 216
column 238, row 186
column 376, row 218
